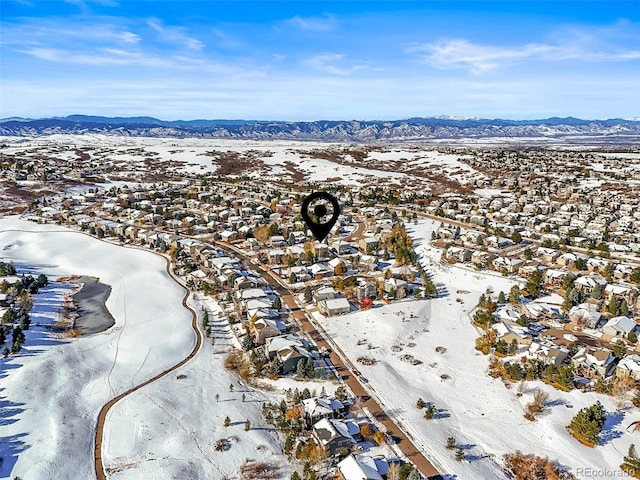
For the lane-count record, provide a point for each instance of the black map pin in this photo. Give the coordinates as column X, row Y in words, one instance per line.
column 320, row 211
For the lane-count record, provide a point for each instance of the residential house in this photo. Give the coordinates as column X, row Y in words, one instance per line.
column 276, row 255
column 366, row 288
column 320, row 250
column 273, row 344
column 334, row 435
column 553, row 277
column 334, row 306
column 368, row 245
column 264, row 328
column 324, row 293
column 363, row 467
column 395, row 287
column 629, row 366
column 622, row 291
column 587, row 283
column 590, row 362
column 585, row 315
column 481, row 259
column 458, row 254
column 317, row 408
column 510, row 265
column 497, row 242
column 341, row 247
column 620, row 326
column 547, row 255
column 550, row 354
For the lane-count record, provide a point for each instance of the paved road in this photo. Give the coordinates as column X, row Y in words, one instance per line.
column 300, row 315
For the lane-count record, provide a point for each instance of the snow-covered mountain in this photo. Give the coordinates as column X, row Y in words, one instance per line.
column 412, row 129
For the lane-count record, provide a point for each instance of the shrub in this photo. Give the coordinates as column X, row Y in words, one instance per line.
column 380, row 437
column 531, row 467
column 430, row 412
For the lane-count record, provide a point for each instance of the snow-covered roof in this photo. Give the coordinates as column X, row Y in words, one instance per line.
column 621, row 323
column 363, row 467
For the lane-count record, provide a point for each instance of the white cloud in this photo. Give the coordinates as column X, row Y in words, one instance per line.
column 332, row 63
column 174, row 35
column 479, row 58
column 457, row 53
column 46, row 32
column 313, row 24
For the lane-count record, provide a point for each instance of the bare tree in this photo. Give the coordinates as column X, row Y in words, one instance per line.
column 394, row 471
column 622, row 390
column 522, row 388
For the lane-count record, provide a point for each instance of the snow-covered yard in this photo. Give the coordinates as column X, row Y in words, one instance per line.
column 425, row 349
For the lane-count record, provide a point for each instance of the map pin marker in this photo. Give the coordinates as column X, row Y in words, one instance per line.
column 316, row 209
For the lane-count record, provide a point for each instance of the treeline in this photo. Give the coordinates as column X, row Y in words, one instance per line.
column 16, row 319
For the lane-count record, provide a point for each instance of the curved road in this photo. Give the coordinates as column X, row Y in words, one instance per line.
column 97, row 452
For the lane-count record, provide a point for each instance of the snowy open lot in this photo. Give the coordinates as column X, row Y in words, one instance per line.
column 484, row 416
column 52, row 391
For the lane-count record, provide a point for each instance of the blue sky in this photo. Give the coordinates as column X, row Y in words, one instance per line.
column 307, row 60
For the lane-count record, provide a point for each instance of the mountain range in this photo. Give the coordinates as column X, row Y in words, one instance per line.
column 569, row 129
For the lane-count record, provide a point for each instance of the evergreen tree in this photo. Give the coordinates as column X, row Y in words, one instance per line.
column 300, row 368
column 277, row 303
column 613, row 306
column 588, row 423
column 288, row 445
column 631, row 463
column 514, row 295
column 18, row 335
column 451, row 443
column 276, row 367
column 534, row 284
column 624, row 308
column 414, row 475
column 482, row 301
column 459, row 455
column 310, row 370
column 307, row 295
column 502, row 299
column 42, row 280
column 227, row 421
column 247, row 426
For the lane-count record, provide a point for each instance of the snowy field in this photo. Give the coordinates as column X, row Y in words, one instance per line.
column 169, row 428
column 51, row 392
column 273, row 158
column 485, row 417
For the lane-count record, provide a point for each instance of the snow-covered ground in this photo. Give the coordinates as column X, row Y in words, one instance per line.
column 169, row 428
column 194, row 155
column 484, row 416
column 52, row 391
